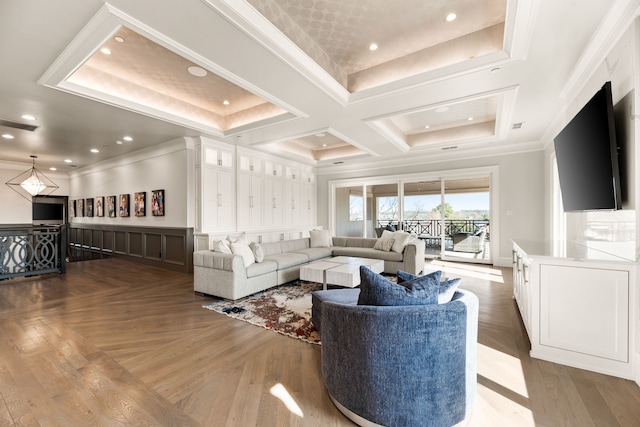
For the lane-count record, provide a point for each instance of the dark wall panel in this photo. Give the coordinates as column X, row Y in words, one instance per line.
column 170, row 248
column 153, row 246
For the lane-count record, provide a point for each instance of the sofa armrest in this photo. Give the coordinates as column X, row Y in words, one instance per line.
column 413, row 257
column 219, row 261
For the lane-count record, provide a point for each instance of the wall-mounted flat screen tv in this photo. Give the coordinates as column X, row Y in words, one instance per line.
column 587, row 157
column 47, row 212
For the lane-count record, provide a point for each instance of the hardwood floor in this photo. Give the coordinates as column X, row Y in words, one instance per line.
column 116, row 343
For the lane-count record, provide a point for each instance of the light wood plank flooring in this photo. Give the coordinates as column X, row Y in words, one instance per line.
column 115, row 343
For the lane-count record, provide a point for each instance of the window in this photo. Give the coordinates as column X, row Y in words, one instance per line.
column 388, row 208
column 356, row 208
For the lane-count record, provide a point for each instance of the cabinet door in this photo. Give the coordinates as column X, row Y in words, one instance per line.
column 273, row 203
column 299, row 205
column 249, row 201
column 227, row 206
column 256, row 200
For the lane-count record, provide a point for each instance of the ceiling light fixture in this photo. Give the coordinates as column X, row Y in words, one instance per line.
column 225, row 102
column 106, row 51
column 451, row 17
column 127, row 138
column 194, row 70
column 68, row 161
column 53, row 169
column 119, row 142
column 32, row 183
column 373, row 46
column 470, row 118
column 28, row 117
column 427, row 126
column 324, row 145
column 119, row 39
column 7, row 136
column 94, row 150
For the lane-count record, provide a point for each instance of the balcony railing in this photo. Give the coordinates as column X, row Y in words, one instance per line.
column 27, row 251
column 433, row 227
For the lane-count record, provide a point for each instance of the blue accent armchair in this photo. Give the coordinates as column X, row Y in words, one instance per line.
column 400, row 366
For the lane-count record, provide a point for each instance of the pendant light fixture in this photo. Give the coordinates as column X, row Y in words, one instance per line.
column 32, row 183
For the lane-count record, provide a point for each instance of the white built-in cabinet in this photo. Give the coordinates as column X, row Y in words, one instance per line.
column 239, row 189
column 250, row 192
column 273, row 208
column 577, row 305
column 215, row 189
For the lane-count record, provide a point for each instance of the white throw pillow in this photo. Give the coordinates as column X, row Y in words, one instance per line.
column 383, row 244
column 241, row 248
column 221, row 246
column 401, row 238
column 258, row 252
column 320, row 239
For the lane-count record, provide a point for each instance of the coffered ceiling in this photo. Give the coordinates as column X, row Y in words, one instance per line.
column 298, row 78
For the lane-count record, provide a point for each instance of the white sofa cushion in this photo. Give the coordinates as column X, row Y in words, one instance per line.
column 242, row 248
column 320, row 239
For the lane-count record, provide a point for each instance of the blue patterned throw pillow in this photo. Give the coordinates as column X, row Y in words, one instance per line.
column 446, row 288
column 377, row 290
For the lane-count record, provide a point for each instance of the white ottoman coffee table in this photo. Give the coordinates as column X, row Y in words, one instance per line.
column 340, row 271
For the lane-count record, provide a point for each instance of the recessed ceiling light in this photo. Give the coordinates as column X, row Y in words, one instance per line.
column 119, row 142
column 7, row 136
column 194, row 70
column 442, row 109
column 470, row 118
column 324, row 145
column 28, row 117
column 94, row 150
column 68, row 160
column 119, row 39
column 225, row 102
column 106, row 51
column 451, row 17
column 373, row 46
column 127, row 138
column 53, row 169
column 427, row 126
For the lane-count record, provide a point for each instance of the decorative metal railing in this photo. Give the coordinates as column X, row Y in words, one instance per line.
column 27, row 251
column 433, row 227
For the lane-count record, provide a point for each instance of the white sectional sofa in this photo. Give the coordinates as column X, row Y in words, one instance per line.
column 227, row 275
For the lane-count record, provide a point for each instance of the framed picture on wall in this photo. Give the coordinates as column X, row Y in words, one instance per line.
column 157, row 203
column 123, row 206
column 88, row 206
column 72, row 208
column 139, row 203
column 80, row 207
column 100, row 206
column 111, row 206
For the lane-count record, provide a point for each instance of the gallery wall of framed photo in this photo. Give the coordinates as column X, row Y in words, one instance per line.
column 119, row 206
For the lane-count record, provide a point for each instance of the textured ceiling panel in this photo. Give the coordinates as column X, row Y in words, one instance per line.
column 337, row 34
column 141, row 71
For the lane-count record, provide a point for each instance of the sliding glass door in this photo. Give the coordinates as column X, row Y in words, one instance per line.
column 450, row 214
column 467, row 219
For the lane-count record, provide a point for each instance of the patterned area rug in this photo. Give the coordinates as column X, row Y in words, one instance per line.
column 285, row 309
